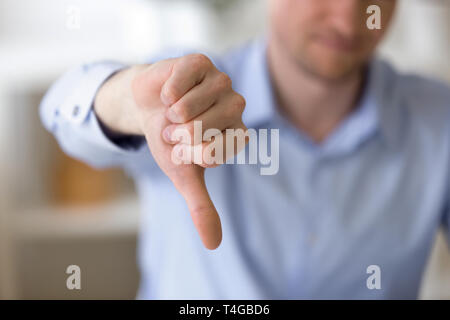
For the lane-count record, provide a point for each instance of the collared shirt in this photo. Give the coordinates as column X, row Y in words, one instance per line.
column 352, row 217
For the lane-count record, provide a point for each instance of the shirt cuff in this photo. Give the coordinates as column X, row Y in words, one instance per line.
column 78, row 108
column 125, row 144
column 78, row 104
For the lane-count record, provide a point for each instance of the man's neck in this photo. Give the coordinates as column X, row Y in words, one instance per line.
column 315, row 106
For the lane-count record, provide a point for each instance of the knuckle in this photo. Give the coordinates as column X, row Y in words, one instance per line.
column 238, row 104
column 199, row 60
column 223, row 81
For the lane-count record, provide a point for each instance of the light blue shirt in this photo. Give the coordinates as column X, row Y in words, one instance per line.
column 373, row 195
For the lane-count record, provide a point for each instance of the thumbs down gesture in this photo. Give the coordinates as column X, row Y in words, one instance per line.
column 172, row 96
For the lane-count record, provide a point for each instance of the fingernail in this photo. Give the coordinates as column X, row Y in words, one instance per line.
column 171, row 115
column 166, row 100
column 167, row 135
column 181, row 153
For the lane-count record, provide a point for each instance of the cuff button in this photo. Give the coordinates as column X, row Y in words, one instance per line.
column 76, row 111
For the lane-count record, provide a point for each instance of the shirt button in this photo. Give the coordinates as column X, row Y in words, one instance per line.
column 76, row 111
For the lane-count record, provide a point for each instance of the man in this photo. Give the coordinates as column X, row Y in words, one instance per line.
column 363, row 181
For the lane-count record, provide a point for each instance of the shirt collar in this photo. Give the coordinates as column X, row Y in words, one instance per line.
column 385, row 96
column 256, row 85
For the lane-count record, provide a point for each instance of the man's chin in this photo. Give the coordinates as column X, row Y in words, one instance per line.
column 334, row 70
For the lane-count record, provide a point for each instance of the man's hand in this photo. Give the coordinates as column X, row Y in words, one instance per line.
column 166, row 98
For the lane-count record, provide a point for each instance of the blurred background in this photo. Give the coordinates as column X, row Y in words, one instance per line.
column 55, row 211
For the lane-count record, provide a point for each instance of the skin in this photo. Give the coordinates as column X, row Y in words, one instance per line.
column 317, row 53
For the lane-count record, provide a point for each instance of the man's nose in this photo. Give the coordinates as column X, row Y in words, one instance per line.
column 348, row 17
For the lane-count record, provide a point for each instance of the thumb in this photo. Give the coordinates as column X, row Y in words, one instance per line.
column 187, row 178
column 203, row 213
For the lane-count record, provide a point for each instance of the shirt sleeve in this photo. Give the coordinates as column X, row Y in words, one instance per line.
column 66, row 111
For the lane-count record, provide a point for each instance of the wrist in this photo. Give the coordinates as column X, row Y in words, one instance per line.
column 114, row 104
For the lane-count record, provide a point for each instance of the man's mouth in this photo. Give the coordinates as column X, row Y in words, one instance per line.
column 339, row 43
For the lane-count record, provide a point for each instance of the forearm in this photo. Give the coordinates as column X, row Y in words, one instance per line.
column 114, row 104
column 66, row 111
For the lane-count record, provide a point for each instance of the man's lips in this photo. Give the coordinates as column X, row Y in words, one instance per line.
column 339, row 43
